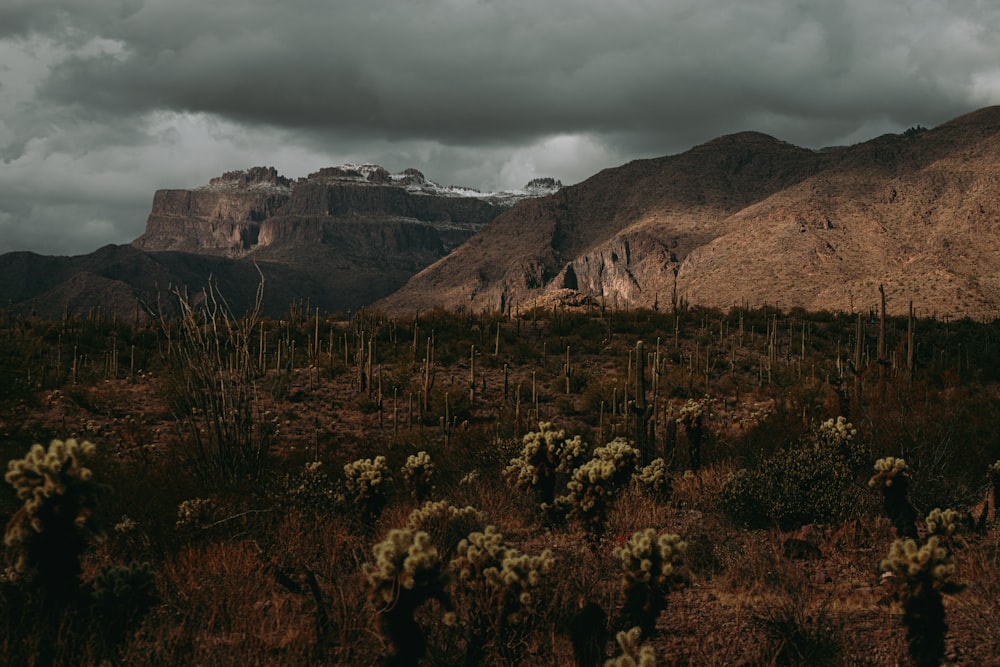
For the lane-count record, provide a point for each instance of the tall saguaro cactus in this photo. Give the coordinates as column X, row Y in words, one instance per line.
column 643, row 411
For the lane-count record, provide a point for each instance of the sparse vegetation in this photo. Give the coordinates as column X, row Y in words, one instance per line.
column 431, row 541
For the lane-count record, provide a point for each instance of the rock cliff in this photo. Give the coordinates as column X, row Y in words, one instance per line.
column 358, row 230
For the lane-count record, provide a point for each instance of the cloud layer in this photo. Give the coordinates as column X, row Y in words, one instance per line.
column 103, row 102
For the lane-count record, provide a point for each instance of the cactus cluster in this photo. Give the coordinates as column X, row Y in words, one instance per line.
column 920, row 575
column 51, row 530
column 654, row 478
column 484, row 559
column 632, row 653
column 418, row 474
column 592, row 486
column 650, row 571
column 446, row 524
column 942, row 523
column 543, row 454
column 366, row 482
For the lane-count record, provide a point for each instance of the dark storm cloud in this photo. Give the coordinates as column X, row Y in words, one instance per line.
column 469, row 72
column 166, row 93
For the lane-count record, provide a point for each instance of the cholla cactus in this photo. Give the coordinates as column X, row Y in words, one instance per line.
column 633, row 655
column 942, row 523
column 312, row 488
column 419, row 473
column 485, row 564
column 366, row 482
column 195, row 513
column 654, row 478
column 594, row 484
column 406, row 573
column 920, row 576
column 892, row 479
column 650, row 571
column 888, row 471
column 121, row 596
column 840, row 435
column 543, row 454
column 52, row 528
column 446, row 524
column 692, row 418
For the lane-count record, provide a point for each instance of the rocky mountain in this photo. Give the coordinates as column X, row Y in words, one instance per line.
column 356, row 230
column 339, row 238
column 749, row 219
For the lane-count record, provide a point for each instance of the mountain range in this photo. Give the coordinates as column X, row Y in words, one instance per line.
column 745, row 219
column 748, row 219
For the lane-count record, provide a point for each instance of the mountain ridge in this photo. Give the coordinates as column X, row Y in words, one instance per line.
column 750, row 219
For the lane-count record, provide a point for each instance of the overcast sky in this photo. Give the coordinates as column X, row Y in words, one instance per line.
column 102, row 102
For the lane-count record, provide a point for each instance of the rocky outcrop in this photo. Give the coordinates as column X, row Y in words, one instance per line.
column 357, row 230
column 242, row 212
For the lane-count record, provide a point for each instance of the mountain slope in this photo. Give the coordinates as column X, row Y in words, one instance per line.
column 750, row 219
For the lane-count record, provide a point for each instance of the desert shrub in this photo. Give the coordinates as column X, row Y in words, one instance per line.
column 814, row 482
column 793, row 488
column 544, row 453
column 418, row 474
column 406, row 573
column 920, row 575
column 55, row 523
column 366, row 482
column 650, row 571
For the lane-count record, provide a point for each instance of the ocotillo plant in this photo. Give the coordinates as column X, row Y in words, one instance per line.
column 54, row 525
column 892, row 479
column 920, row 575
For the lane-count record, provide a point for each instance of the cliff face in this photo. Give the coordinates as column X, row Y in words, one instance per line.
column 357, row 230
